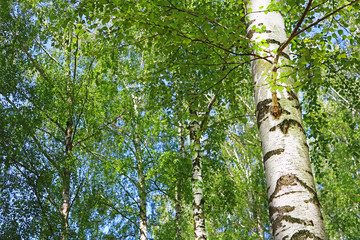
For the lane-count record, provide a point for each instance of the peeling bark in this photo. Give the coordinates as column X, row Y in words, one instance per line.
column 293, row 205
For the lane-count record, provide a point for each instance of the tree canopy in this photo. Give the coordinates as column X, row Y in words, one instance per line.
column 137, row 119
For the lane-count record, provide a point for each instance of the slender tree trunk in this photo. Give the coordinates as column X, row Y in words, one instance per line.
column 66, row 181
column 141, row 179
column 178, row 193
column 293, row 205
column 142, row 194
column 258, row 226
column 197, row 182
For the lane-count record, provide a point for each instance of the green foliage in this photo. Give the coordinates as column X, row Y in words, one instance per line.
column 128, row 75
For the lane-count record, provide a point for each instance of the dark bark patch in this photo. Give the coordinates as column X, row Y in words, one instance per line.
column 262, row 108
column 281, row 210
column 311, row 200
column 250, row 33
column 281, row 217
column 261, row 121
column 285, row 55
column 289, row 180
column 272, row 153
column 273, row 41
column 306, row 145
column 304, row 234
column 286, row 124
column 249, row 23
column 286, row 112
column 287, row 193
column 292, row 95
column 314, row 201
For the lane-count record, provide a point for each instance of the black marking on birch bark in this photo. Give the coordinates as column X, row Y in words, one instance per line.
column 198, row 217
column 263, row 120
column 266, row 31
column 262, row 108
column 292, row 95
column 272, row 153
column 281, row 210
column 311, row 200
column 286, row 112
column 314, row 201
column 273, row 41
column 285, row 55
column 309, row 172
column 250, row 33
column 277, row 222
column 287, row 193
column 306, row 145
column 286, row 124
column 304, row 234
column 289, row 180
column 249, row 23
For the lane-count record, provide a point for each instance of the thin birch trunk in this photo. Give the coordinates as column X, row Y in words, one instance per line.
column 142, row 194
column 178, row 193
column 141, row 179
column 293, row 204
column 68, row 147
column 66, row 181
column 197, row 182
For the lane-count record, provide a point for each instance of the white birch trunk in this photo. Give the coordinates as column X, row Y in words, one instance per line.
column 293, row 205
column 66, row 182
column 142, row 193
column 141, row 179
column 197, row 182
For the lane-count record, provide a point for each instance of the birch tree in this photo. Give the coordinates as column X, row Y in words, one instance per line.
column 293, row 204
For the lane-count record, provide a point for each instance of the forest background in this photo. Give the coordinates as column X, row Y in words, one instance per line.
column 137, row 119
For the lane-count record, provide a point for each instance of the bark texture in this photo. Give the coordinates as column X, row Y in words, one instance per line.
column 66, row 181
column 197, row 182
column 141, row 178
column 293, row 204
column 142, row 193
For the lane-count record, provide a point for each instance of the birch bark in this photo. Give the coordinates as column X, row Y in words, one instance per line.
column 66, row 181
column 197, row 182
column 141, row 177
column 293, row 204
column 142, row 194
